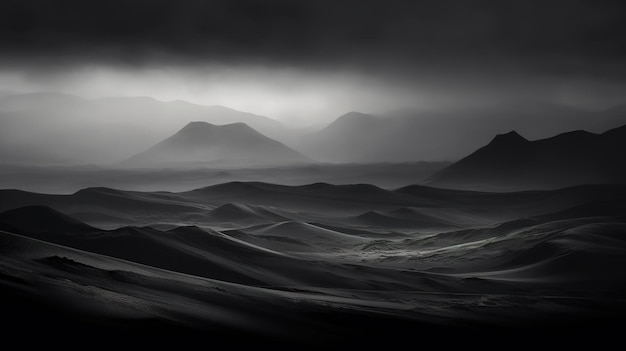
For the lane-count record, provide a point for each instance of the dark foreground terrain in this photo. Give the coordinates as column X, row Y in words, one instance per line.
column 315, row 265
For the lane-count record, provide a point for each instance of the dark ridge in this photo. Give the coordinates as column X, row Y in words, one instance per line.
column 510, row 137
column 236, row 211
column 510, row 162
column 132, row 230
column 190, row 229
column 10, row 199
column 307, row 195
column 41, row 219
column 232, row 211
column 358, row 190
column 435, row 193
column 132, row 201
column 16, row 192
column 404, row 211
column 236, row 186
column 393, row 219
column 504, row 147
column 611, row 207
column 352, row 231
column 231, row 207
column 187, row 251
column 319, row 187
column 575, row 134
column 616, row 132
column 100, row 190
column 582, row 189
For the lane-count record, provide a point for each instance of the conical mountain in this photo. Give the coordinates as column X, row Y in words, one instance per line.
column 201, row 143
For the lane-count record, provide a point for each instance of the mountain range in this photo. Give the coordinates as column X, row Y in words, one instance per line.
column 58, row 129
column 61, row 129
column 412, row 135
column 510, row 161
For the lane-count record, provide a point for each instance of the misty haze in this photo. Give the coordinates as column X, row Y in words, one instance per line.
column 298, row 173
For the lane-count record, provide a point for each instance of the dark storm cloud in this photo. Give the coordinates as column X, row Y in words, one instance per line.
column 547, row 37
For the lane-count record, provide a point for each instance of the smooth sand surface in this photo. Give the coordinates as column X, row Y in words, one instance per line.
column 254, row 261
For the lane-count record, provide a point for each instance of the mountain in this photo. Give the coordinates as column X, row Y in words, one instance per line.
column 232, row 144
column 54, row 128
column 360, row 137
column 60, row 129
column 510, row 161
column 444, row 135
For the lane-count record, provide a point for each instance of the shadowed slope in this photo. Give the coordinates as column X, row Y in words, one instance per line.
column 210, row 254
column 511, row 162
column 41, row 221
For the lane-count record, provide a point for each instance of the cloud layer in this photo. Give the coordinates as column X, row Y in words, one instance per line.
column 572, row 49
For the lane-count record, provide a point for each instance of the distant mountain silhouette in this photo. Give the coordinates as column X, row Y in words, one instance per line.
column 511, row 162
column 444, row 135
column 54, row 128
column 60, row 129
column 360, row 137
column 200, row 143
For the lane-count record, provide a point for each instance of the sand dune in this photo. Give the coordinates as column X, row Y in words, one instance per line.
column 259, row 259
column 404, row 217
column 320, row 202
column 235, row 214
column 41, row 220
column 579, row 258
column 142, row 303
column 307, row 234
column 211, row 254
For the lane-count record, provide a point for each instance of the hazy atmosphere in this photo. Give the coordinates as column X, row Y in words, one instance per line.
column 291, row 173
column 307, row 62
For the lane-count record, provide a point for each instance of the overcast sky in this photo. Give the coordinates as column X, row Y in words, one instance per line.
column 309, row 61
